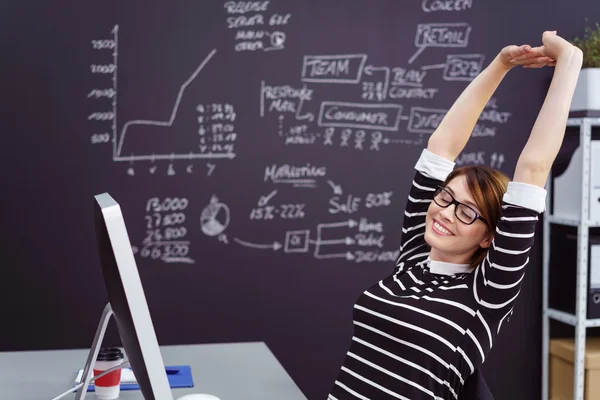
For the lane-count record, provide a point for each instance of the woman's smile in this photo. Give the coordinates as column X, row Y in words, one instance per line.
column 440, row 229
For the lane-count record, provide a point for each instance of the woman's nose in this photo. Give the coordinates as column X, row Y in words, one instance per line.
column 448, row 212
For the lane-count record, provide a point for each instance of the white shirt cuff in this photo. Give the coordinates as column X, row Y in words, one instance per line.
column 526, row 195
column 434, row 166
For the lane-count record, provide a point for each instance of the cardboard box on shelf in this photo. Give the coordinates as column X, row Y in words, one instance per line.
column 562, row 371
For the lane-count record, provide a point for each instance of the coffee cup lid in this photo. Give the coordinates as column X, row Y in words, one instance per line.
column 109, row 354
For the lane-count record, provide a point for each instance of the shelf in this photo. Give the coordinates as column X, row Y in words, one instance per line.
column 584, row 121
column 570, row 319
column 577, row 121
column 559, row 220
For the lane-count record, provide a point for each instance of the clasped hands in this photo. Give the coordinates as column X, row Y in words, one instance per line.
column 552, row 49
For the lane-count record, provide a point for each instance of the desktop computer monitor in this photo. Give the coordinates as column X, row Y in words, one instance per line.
column 127, row 300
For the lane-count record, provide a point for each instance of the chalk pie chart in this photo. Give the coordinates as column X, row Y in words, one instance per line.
column 214, row 218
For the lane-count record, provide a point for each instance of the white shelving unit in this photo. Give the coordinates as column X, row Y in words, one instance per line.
column 579, row 320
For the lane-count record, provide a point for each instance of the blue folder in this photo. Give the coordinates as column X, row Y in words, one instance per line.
column 181, row 379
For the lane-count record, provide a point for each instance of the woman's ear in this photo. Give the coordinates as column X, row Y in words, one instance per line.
column 487, row 241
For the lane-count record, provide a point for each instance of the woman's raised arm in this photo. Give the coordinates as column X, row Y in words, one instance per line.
column 548, row 131
column 454, row 131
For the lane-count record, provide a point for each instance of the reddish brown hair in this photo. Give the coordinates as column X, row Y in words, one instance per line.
column 487, row 186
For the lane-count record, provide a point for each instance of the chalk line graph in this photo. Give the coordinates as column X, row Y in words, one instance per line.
column 118, row 140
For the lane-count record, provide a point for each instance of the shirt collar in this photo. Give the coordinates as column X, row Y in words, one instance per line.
column 446, row 268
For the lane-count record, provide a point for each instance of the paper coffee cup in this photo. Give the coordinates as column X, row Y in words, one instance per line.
column 108, row 386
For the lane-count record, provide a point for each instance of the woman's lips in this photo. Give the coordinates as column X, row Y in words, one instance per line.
column 437, row 231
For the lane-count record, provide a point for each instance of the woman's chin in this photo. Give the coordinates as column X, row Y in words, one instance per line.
column 433, row 238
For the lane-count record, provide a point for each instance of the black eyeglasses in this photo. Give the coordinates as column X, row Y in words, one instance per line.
column 463, row 212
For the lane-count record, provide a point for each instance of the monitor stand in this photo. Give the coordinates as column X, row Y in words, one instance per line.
column 94, row 350
column 93, row 355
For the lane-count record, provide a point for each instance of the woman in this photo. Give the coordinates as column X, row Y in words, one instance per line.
column 423, row 331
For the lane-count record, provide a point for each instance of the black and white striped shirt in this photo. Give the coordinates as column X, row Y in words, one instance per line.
column 420, row 333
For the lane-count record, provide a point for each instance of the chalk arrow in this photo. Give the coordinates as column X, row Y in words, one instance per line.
column 347, row 241
column 274, row 246
column 388, row 141
column 369, row 69
column 350, row 223
column 337, row 189
column 347, row 255
column 310, row 116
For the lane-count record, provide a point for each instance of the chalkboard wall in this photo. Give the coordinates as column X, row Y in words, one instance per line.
column 261, row 153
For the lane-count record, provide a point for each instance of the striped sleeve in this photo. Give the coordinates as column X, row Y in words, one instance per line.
column 498, row 279
column 431, row 171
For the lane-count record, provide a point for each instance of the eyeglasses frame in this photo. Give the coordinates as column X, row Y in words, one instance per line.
column 456, row 203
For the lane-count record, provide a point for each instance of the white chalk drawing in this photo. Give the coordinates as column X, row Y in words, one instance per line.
column 351, row 240
column 370, row 123
column 165, row 232
column 425, row 120
column 246, row 37
column 446, row 5
column 459, row 67
column 263, row 200
column 440, row 35
column 284, row 98
column 463, row 67
column 117, row 156
column 320, row 242
column 408, row 77
column 296, row 241
column 211, row 168
column 272, row 246
column 296, row 175
column 337, row 189
column 357, row 115
column 308, row 116
column 277, row 40
column 495, row 160
column 214, row 218
column 242, row 7
column 369, row 70
column 281, row 211
column 341, row 68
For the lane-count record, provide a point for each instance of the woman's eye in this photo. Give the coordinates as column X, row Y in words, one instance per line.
column 467, row 213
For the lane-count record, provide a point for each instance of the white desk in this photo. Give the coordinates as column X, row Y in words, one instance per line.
column 236, row 371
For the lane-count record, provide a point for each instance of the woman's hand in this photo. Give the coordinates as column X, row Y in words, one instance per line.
column 524, row 55
column 553, row 48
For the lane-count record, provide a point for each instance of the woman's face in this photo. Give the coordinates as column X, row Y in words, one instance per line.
column 455, row 241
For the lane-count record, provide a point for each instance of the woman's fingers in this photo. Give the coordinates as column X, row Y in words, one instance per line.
column 535, row 60
column 538, row 62
column 518, row 51
column 534, row 52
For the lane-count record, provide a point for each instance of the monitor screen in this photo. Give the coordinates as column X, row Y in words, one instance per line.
column 127, row 300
